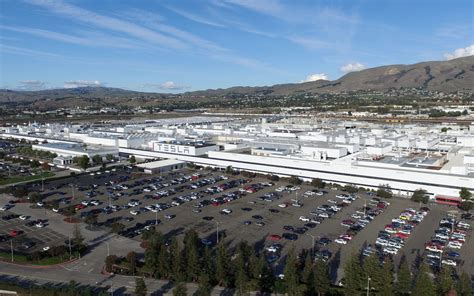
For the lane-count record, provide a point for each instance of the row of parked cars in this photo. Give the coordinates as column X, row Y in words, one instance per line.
column 447, row 240
column 393, row 237
column 360, row 219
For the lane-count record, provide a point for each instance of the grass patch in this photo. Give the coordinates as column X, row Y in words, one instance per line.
column 25, row 259
column 12, row 180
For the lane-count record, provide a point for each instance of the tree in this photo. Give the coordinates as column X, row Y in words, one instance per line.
column 83, row 162
column 132, row 159
column 465, row 194
column 204, row 287
column 180, row 289
column 109, row 262
column 241, row 276
column 223, row 272
column 307, row 276
column 78, row 239
column 109, row 157
column 384, row 191
column 350, row 188
column 466, row 206
column 321, row 277
column 404, row 278
column 45, row 166
column 191, row 255
column 420, row 195
column 140, row 287
column 423, row 283
column 292, row 275
column 97, row 159
column 373, row 270
column 176, row 261
column 132, row 262
column 229, row 170
column 464, row 287
column 444, row 129
column 386, row 287
column 34, row 164
column 353, row 276
column 318, row 183
column 295, row 180
column 445, row 280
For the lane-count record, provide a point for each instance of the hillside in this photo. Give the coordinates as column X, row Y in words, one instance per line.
column 447, row 76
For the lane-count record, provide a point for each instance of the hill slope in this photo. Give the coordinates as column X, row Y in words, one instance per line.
column 447, row 76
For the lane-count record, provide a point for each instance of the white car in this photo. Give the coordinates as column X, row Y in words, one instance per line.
column 226, row 211
column 46, row 248
column 40, row 225
column 332, row 201
column 23, row 217
column 283, row 205
column 304, row 219
column 392, row 251
column 40, row 204
column 449, row 262
column 356, row 216
column 297, row 205
column 56, row 210
column 4, row 208
column 134, row 212
column 341, row 241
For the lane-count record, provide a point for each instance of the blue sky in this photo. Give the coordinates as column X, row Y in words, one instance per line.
column 176, row 46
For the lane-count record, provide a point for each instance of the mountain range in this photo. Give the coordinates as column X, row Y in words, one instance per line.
column 446, row 76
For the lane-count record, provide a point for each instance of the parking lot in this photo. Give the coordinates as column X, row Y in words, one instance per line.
column 275, row 216
column 28, row 238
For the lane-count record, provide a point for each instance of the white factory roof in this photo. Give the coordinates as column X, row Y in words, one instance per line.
column 159, row 163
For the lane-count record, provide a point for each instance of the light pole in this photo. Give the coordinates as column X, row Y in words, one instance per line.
column 11, row 248
column 73, row 193
column 217, row 230
column 156, row 217
column 42, row 183
column 312, row 243
column 108, row 249
column 70, row 250
column 368, row 285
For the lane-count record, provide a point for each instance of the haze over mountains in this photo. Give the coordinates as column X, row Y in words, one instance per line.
column 447, row 76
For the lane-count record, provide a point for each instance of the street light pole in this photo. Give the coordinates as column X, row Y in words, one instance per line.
column 108, row 249
column 368, row 285
column 11, row 248
column 217, row 231
column 156, row 217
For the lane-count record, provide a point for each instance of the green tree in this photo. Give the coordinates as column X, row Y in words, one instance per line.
column 229, row 170
column 292, row 275
column 177, row 265
column 109, row 262
column 180, row 289
column 307, row 276
column 78, row 239
column 386, row 287
column 295, row 180
column 204, row 286
column 384, row 191
column 423, row 283
column 83, row 162
column 318, row 183
column 321, row 277
column 353, row 276
column 132, row 159
column 223, row 268
column 404, row 278
column 140, row 287
column 109, row 157
column 445, row 280
column 97, row 159
column 420, row 195
column 191, row 255
column 350, row 188
column 132, row 262
column 465, row 194
column 464, row 286
column 207, row 264
column 373, row 270
column 241, row 276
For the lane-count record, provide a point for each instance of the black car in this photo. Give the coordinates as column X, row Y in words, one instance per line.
column 207, row 218
column 288, row 228
column 274, row 211
column 28, row 245
column 30, row 223
column 289, row 236
column 324, row 241
column 246, row 209
column 300, row 230
column 257, row 217
column 310, row 225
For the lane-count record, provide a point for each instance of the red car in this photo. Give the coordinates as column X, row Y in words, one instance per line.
column 14, row 233
column 274, row 237
column 80, row 207
column 402, row 235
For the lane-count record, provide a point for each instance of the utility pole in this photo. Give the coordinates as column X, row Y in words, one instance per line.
column 108, row 249
column 11, row 248
column 156, row 217
column 42, row 183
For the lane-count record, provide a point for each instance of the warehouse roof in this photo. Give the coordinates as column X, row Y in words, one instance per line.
column 159, row 163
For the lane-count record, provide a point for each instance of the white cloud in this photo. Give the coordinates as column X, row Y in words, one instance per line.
column 169, row 85
column 352, row 67
column 195, row 18
column 82, row 83
column 460, row 52
column 315, row 77
column 31, row 85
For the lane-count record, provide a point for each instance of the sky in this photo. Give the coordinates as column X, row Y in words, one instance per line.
column 178, row 46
